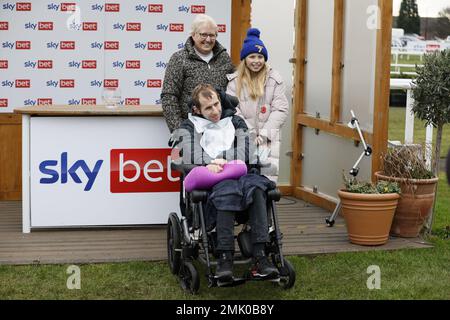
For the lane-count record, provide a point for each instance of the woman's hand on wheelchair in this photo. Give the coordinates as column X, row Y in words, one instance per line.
column 259, row 140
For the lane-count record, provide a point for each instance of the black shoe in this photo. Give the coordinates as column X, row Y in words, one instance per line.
column 264, row 269
column 224, row 271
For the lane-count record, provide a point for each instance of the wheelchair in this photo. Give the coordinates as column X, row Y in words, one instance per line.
column 189, row 240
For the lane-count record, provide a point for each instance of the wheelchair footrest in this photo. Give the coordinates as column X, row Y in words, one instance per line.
column 251, row 276
column 233, row 283
column 276, row 279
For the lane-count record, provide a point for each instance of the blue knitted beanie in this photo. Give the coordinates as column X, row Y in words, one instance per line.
column 252, row 44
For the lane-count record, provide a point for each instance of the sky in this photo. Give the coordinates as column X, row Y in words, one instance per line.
column 427, row 8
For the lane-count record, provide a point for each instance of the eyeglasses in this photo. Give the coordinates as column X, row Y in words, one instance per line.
column 204, row 36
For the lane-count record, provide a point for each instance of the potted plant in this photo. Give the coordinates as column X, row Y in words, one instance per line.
column 368, row 210
column 406, row 165
column 431, row 93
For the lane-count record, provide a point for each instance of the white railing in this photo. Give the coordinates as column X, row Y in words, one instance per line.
column 396, row 53
column 406, row 84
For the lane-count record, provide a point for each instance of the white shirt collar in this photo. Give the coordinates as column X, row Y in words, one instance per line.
column 217, row 136
column 205, row 57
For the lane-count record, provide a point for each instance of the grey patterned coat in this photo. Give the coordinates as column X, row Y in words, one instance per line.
column 186, row 70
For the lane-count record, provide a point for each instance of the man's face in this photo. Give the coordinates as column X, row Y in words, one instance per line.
column 205, row 38
column 210, row 108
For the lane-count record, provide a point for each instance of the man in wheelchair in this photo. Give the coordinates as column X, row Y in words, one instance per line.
column 212, row 136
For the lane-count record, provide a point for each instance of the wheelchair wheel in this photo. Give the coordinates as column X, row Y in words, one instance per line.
column 174, row 243
column 189, row 278
column 287, row 274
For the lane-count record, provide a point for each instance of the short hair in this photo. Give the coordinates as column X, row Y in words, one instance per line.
column 200, row 20
column 204, row 90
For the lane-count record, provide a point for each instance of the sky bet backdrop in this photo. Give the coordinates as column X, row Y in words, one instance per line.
column 60, row 52
column 100, row 171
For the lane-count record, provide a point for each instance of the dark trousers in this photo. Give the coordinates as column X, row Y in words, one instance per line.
column 257, row 220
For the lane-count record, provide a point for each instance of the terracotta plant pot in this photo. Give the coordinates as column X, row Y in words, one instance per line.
column 416, row 200
column 368, row 216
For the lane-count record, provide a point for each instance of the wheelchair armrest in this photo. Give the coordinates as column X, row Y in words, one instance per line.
column 182, row 167
column 274, row 194
column 199, row 195
column 259, row 165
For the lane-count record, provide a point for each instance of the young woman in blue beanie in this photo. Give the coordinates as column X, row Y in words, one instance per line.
column 263, row 103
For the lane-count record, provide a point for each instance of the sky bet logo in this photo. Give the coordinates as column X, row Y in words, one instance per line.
column 62, row 45
column 96, row 45
column 195, row 9
column 112, row 7
column 67, row 83
column 111, row 45
column 130, row 26
column 23, row 83
column 64, row 7
column 41, row 26
column 40, row 101
column 155, row 45
column 131, row 170
column 40, row 64
column 4, row 25
column 29, row 102
column 161, row 64
column 44, row 101
column 88, row 101
column 151, row 83
column 111, row 83
column 173, row 27
column 132, row 101
column 19, row 6
column 129, row 64
column 152, row 8
column 68, row 6
column 23, row 45
column 84, row 64
column 142, row 170
column 109, row 7
column 50, row 169
column 151, row 45
column 89, row 26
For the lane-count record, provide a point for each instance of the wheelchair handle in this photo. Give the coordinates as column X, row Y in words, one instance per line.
column 182, row 167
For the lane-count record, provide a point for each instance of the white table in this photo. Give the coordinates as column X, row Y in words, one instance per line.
column 407, row 84
column 87, row 166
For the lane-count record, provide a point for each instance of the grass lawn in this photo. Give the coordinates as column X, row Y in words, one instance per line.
column 405, row 274
column 397, row 130
column 406, row 59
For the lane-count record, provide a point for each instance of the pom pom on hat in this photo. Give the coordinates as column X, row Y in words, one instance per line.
column 252, row 44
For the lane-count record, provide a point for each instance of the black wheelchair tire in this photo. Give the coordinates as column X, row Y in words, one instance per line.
column 189, row 278
column 174, row 243
column 287, row 275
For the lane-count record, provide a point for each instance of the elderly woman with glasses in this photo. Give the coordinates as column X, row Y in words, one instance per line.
column 202, row 60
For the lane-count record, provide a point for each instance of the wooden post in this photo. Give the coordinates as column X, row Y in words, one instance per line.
column 382, row 85
column 240, row 22
column 336, row 85
column 299, row 90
